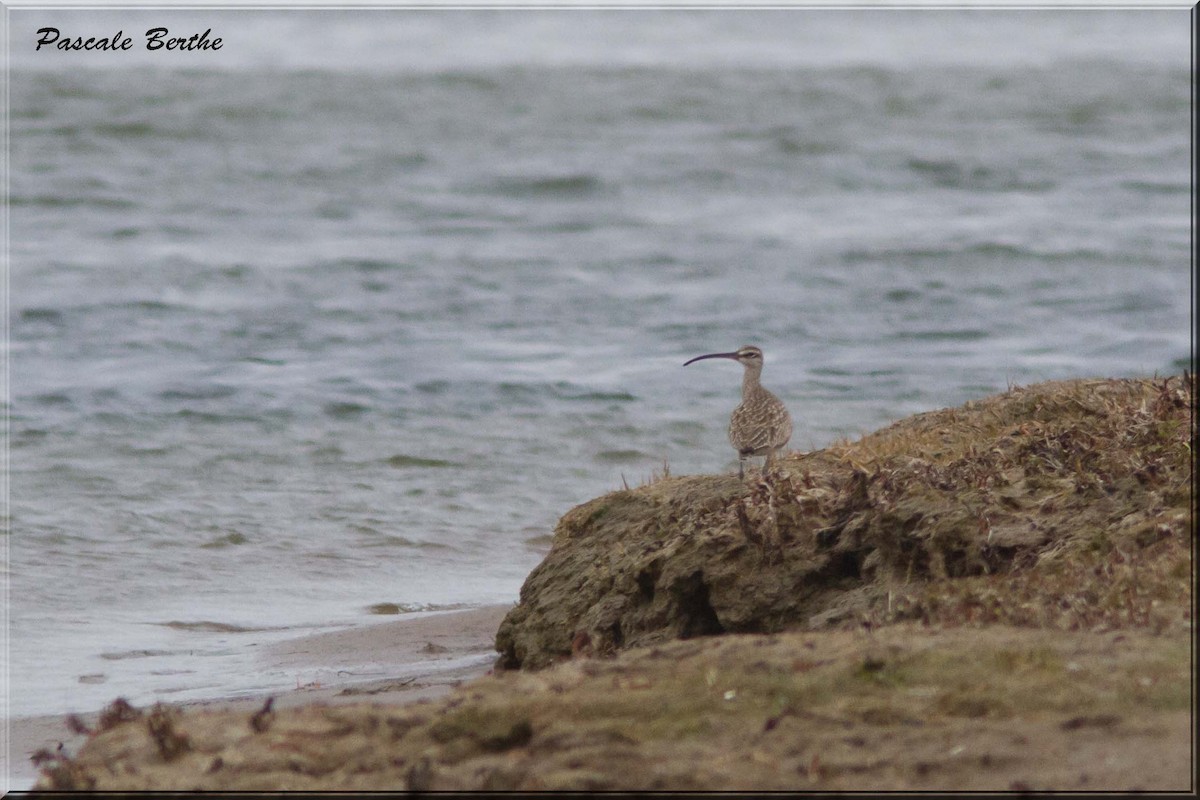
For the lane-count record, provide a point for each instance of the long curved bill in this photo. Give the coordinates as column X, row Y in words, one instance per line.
column 712, row 355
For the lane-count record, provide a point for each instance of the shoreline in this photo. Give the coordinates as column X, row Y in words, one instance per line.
column 1038, row 641
column 391, row 663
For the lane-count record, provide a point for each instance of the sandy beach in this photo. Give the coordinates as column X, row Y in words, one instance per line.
column 392, row 663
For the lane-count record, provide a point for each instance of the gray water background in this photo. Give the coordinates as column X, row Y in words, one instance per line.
column 352, row 310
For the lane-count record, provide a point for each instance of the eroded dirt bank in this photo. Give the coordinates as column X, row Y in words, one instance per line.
column 1024, row 495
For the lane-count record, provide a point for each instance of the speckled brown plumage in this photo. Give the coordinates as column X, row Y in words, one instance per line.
column 760, row 425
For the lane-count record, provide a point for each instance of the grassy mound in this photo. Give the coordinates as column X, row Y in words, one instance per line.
column 1064, row 505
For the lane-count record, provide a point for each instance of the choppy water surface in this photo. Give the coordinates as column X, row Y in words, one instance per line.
column 352, row 311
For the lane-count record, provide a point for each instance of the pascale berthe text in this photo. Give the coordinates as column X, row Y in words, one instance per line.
column 156, row 39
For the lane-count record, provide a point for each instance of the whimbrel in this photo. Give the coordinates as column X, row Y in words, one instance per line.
column 760, row 425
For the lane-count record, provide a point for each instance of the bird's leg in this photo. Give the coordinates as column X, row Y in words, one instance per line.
column 767, row 463
column 741, row 467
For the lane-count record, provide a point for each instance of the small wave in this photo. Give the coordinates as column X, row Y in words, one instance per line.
column 1156, row 187
column 142, row 452
column 214, row 392
column 140, row 129
column 208, row 417
column 228, row 540
column 835, row 387
column 54, row 201
column 433, row 387
column 521, row 394
column 621, row 456
column 208, row 626
column 901, row 295
column 152, row 305
column 53, row 399
column 57, row 87
column 623, row 397
column 405, row 543
column 235, row 272
column 842, row 372
column 966, row 335
column 711, row 176
column 979, row 250
column 42, row 315
column 685, row 426
column 566, row 226
column 368, row 265
column 125, row 130
column 998, row 249
column 329, row 453
column 29, row 436
column 902, row 254
column 121, row 656
column 954, row 175
column 1130, row 303
column 472, row 80
column 343, row 410
column 401, row 460
column 553, row 186
column 795, row 146
column 412, row 608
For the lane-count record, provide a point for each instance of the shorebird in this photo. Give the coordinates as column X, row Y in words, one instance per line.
column 760, row 425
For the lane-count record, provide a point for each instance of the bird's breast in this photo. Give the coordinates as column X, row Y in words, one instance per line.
column 759, row 424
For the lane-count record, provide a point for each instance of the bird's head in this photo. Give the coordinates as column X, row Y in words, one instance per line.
column 748, row 355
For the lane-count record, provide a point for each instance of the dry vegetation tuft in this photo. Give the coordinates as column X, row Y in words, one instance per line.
column 1065, row 505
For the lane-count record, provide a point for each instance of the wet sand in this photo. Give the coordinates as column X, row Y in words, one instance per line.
column 395, row 662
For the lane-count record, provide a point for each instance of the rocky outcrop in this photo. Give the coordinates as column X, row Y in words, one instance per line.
column 872, row 531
